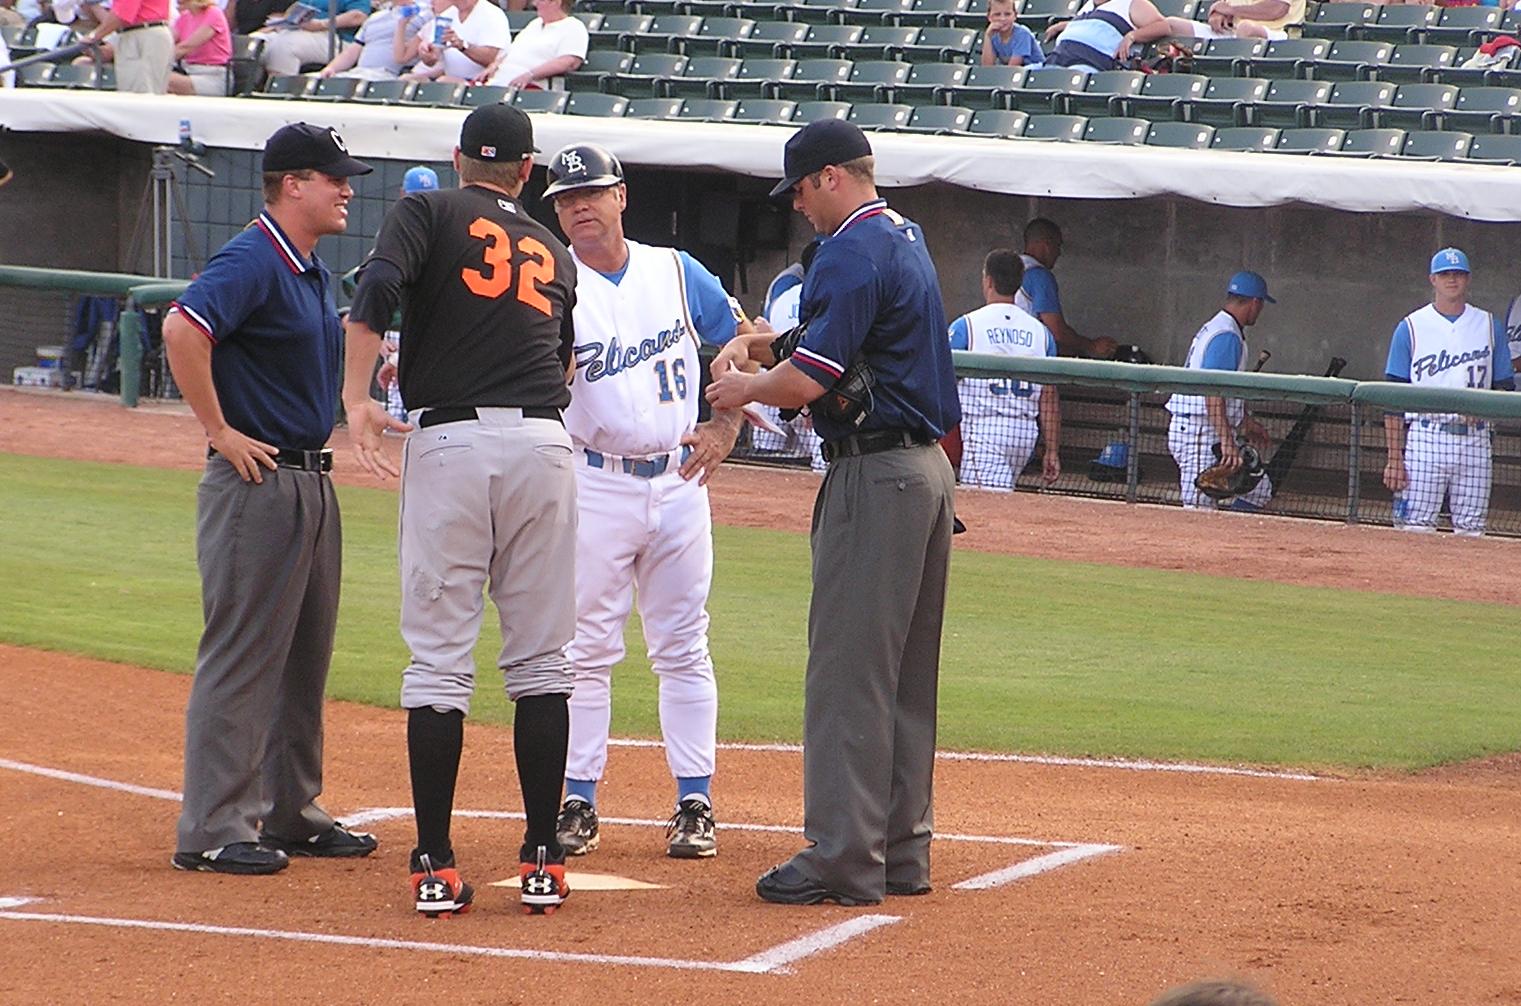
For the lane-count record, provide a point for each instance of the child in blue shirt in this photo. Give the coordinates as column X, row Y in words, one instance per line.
column 1007, row 43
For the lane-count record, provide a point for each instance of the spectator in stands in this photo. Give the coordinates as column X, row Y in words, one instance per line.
column 1265, row 19
column 144, row 45
column 9, row 18
column 1214, row 992
column 295, row 39
column 1007, row 42
column 384, row 46
column 548, row 47
column 248, row 16
column 1209, row 428
column 467, row 39
column 1101, row 38
column 1040, row 296
column 203, row 45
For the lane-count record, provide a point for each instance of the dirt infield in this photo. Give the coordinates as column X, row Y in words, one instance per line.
column 1326, row 891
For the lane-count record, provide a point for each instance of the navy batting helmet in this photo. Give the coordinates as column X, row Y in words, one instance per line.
column 583, row 166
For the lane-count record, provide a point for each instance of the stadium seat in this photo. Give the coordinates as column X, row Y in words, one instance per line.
column 1228, row 56
column 1353, row 60
column 943, row 45
column 928, row 83
column 591, row 9
column 1038, row 15
column 477, row 95
column 754, row 77
column 1056, row 127
column 68, row 75
column 881, row 42
column 1464, row 25
column 813, row 111
column 385, row 92
column 1290, row 103
column 869, row 81
column 593, row 103
column 435, row 94
column 1043, row 87
column 811, row 79
column 1104, row 93
column 654, row 108
column 592, row 18
column 767, row 38
column 1351, row 104
column 1185, row 9
column 872, row 116
column 646, row 75
column 51, row 35
column 1415, row 106
column 1336, row 20
column 1437, row 145
column 716, row 33
column 244, row 65
column 944, row 13
column 820, row 11
column 709, row 109
column 600, row 64
column 1189, row 135
column 550, row 102
column 1398, row 23
column 285, row 87
column 885, row 11
column 1309, row 140
column 617, row 30
column 1165, row 95
column 336, row 89
column 939, row 119
column 1245, row 138
column 988, row 87
column 1493, row 149
column 1117, row 129
column 667, row 32
column 824, row 41
column 1290, row 57
column 1468, row 76
column 998, row 122
column 1484, row 110
column 1227, row 101
column 1411, row 64
column 705, row 77
column 517, row 20
column 1372, row 143
column 765, row 111
column 759, row 10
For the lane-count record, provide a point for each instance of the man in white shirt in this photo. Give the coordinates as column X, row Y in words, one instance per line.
column 467, row 39
column 550, row 46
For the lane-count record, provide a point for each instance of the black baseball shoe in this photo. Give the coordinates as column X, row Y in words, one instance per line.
column 689, row 832
column 438, row 890
column 787, row 885
column 335, row 843
column 577, row 828
column 542, row 879
column 907, row 890
column 250, row 858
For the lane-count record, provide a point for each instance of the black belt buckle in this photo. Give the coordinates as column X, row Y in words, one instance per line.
column 306, row 461
column 868, row 443
column 461, row 414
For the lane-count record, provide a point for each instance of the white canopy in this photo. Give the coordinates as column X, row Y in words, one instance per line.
column 1016, row 167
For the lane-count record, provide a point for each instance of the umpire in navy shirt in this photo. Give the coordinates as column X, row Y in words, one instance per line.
column 881, row 526
column 255, row 344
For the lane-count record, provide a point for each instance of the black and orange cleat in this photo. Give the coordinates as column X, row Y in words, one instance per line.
column 439, row 891
column 543, row 883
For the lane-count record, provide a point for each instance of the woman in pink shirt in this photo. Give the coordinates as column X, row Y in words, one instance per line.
column 203, row 47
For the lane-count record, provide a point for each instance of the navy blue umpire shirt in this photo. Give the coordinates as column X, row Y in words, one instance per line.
column 872, row 290
column 277, row 340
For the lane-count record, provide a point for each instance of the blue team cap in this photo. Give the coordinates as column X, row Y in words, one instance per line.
column 1449, row 260
column 1249, row 284
column 419, row 179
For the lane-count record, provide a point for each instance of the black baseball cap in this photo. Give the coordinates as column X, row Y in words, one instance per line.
column 301, row 146
column 815, row 147
column 497, row 133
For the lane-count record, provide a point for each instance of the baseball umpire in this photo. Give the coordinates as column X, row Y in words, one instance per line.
column 488, row 496
column 642, row 461
column 255, row 344
column 874, row 365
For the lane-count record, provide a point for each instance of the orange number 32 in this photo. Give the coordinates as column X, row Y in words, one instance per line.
column 537, row 269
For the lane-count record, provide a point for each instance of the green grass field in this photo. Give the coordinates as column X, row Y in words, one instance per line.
column 1039, row 655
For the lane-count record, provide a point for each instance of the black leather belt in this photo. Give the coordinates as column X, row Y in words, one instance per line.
column 145, row 24
column 459, row 414
column 306, row 461
column 872, row 443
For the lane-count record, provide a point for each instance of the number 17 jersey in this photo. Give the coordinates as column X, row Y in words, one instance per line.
column 487, row 303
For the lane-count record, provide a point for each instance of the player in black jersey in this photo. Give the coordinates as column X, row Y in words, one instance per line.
column 488, row 492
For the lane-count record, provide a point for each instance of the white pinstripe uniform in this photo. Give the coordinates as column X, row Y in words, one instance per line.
column 998, row 418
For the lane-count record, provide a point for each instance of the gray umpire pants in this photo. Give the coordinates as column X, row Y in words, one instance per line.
column 269, row 556
column 881, row 552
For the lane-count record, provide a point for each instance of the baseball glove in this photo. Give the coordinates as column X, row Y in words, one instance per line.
column 1220, row 483
column 849, row 401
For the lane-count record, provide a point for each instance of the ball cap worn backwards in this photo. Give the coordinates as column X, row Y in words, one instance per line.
column 815, row 147
column 302, row 146
column 1449, row 260
column 497, row 133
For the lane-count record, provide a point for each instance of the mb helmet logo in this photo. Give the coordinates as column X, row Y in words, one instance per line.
column 488, row 153
column 337, row 140
column 1450, row 257
column 572, row 162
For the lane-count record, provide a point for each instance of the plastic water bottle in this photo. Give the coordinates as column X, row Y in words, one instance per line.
column 187, row 140
column 185, row 134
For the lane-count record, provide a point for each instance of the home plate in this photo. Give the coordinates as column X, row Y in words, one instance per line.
column 592, row 882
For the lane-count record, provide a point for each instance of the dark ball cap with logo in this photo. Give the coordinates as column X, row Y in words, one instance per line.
column 497, row 133
column 815, row 147
column 302, row 146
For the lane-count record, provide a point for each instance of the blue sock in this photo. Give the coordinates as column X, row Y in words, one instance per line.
column 697, row 785
column 585, row 789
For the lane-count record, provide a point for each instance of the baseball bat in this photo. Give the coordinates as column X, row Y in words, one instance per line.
column 1263, row 356
column 1283, row 459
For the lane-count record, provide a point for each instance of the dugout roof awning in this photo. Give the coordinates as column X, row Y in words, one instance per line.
column 1015, row 167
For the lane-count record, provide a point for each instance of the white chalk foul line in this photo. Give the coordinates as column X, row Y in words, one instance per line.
column 90, row 780
column 1032, row 867
column 776, row 960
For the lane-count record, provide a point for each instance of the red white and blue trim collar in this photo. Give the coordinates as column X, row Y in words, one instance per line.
column 860, row 213
column 283, row 246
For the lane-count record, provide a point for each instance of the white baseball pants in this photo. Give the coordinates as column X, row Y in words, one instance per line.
column 1441, row 464
column 995, row 449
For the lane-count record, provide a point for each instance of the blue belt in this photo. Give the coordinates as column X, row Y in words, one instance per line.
column 640, row 468
column 1454, row 428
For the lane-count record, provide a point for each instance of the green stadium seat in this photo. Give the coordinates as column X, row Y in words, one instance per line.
column 596, row 104
column 1227, row 101
column 1104, row 94
column 1290, row 57
column 74, row 76
column 819, row 11
column 872, row 116
column 286, row 87
column 756, row 75
column 1353, row 60
column 599, row 66
column 1186, row 9
column 477, row 95
column 1044, row 88
column 336, row 89
column 654, row 108
column 767, row 39
column 1309, row 141
column 1437, row 145
column 1412, row 64
column 597, row 9
column 1290, row 103
column 1188, row 135
column 945, row 13
column 1493, row 149
column 385, row 92
column 824, row 41
column 1351, row 104
column 1484, row 110
column 811, row 79
column 704, row 77
column 1165, row 95
column 647, row 75
column 1337, row 20
column 882, row 41
column 709, row 109
column 244, row 64
column 1243, row 138
column 1038, row 15
column 1467, row 76
column 1118, row 130
column 593, row 18
column 765, row 111
column 1464, row 25
column 1372, row 143
column 988, row 87
column 1228, row 56
column 435, row 94
column 715, row 34
column 1056, row 127
column 928, row 82
column 1415, row 106
column 872, row 80
column 667, row 33
column 943, row 45
column 1399, row 23
column 619, row 30
column 885, row 11
column 813, row 111
column 998, row 122
column 942, row 119
column 546, row 102
column 760, row 10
